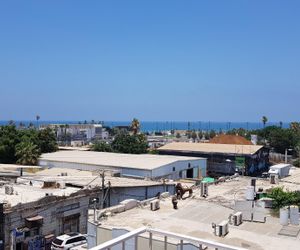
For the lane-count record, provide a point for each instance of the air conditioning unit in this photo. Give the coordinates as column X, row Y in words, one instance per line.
column 204, row 189
column 48, row 194
column 9, row 190
column 222, row 229
column 154, row 205
column 237, row 218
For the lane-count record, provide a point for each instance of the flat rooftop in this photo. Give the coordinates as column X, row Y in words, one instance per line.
column 84, row 179
column 211, row 148
column 24, row 193
column 30, row 188
column 140, row 161
column 195, row 216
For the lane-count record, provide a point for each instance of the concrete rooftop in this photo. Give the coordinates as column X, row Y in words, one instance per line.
column 195, row 216
column 84, row 178
column 25, row 193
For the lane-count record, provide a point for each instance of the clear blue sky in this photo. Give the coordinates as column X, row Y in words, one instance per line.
column 152, row 59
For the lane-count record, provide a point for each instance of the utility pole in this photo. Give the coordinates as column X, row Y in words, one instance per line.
column 102, row 175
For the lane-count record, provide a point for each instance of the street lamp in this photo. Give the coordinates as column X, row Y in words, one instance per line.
column 286, row 150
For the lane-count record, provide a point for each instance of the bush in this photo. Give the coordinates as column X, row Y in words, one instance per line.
column 282, row 198
column 101, row 146
column 296, row 163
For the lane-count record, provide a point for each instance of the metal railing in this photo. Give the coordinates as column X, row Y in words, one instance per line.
column 201, row 243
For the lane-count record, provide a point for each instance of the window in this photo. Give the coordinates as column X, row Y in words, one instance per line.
column 173, row 169
column 74, row 240
column 57, row 242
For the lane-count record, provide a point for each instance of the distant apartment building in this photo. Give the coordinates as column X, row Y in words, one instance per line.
column 78, row 134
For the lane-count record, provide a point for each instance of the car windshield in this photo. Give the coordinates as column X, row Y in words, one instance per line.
column 57, row 242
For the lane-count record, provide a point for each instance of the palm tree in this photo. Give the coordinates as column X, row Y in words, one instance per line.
column 27, row 153
column 37, row 121
column 264, row 120
column 135, row 126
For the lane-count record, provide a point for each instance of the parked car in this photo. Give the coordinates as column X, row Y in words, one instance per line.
column 67, row 241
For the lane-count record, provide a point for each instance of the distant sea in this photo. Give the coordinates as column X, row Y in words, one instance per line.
column 152, row 126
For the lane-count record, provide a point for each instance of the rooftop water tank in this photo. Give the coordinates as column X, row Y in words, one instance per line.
column 284, row 216
column 294, row 215
column 250, row 193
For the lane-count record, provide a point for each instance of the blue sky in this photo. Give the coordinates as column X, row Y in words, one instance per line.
column 154, row 60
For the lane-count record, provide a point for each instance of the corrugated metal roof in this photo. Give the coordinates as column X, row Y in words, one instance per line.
column 211, row 148
column 135, row 161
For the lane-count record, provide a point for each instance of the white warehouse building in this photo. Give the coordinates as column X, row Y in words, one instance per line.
column 143, row 165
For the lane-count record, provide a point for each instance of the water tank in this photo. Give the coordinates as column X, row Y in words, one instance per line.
column 284, row 216
column 294, row 215
column 250, row 193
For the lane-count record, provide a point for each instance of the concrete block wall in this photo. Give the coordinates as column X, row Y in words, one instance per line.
column 52, row 219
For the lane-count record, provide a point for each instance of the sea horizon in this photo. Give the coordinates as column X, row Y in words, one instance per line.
column 156, row 126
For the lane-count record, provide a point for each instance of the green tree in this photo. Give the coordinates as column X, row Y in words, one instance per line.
column 101, row 146
column 212, row 134
column 47, row 141
column 11, row 139
column 200, row 135
column 188, row 134
column 8, row 139
column 27, row 153
column 282, row 198
column 135, row 126
column 206, row 136
column 194, row 136
column 297, row 151
column 281, row 139
column 132, row 144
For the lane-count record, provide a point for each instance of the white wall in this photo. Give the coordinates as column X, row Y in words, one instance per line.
column 165, row 171
column 179, row 166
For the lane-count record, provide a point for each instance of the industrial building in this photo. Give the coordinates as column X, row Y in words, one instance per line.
column 133, row 165
column 223, row 159
column 37, row 207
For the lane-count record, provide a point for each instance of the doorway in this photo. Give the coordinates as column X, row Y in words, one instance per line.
column 190, row 173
